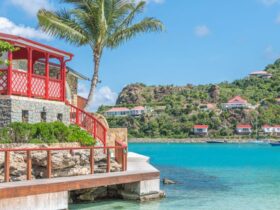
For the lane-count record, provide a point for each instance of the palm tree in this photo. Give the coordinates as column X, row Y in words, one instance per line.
column 99, row 24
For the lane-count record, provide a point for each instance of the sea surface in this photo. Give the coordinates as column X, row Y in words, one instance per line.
column 210, row 177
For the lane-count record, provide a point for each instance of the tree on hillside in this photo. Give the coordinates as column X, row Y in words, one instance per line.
column 99, row 24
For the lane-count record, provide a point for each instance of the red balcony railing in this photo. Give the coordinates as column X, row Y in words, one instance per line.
column 37, row 87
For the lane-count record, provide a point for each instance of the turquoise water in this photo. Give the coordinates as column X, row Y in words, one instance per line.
column 210, row 177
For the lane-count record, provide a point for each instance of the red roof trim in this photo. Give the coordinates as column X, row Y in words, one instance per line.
column 237, row 99
column 244, row 126
column 10, row 37
column 201, row 126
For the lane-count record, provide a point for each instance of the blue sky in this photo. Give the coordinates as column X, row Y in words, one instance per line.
column 204, row 42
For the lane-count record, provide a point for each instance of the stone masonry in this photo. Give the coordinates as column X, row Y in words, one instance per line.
column 12, row 107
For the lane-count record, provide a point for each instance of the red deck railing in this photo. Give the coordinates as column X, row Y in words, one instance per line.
column 88, row 122
column 40, row 86
column 120, row 151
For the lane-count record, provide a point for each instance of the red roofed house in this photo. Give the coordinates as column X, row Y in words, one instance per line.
column 267, row 129
column 261, row 74
column 201, row 130
column 244, row 129
column 118, row 111
column 277, row 130
column 236, row 103
column 138, row 110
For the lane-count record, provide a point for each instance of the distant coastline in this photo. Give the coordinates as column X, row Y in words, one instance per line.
column 195, row 140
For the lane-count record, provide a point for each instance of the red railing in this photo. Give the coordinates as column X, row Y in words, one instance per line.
column 37, row 86
column 121, row 154
column 120, row 150
column 88, row 122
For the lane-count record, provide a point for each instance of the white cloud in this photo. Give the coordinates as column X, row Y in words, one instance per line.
column 201, row 31
column 102, row 96
column 270, row 53
column 269, row 2
column 7, row 26
column 32, row 6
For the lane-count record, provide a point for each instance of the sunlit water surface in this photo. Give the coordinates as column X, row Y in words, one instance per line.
column 210, row 177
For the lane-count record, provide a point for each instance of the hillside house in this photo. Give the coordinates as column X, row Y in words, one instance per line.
column 271, row 129
column 278, row 101
column 236, row 103
column 118, row 112
column 123, row 111
column 200, row 130
column 244, row 129
column 137, row 111
column 261, row 74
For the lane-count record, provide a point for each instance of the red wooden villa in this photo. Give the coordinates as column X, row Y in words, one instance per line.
column 33, row 88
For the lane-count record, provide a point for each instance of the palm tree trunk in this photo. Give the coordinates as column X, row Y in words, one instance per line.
column 94, row 80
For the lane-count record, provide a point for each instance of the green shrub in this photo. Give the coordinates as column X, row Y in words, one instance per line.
column 39, row 133
column 79, row 135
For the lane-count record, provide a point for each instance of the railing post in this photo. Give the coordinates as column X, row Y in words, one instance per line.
column 10, row 73
column 29, row 165
column 94, row 128
column 49, row 164
column 7, row 166
column 47, row 72
column 29, row 72
column 108, row 160
column 91, row 161
column 123, row 160
column 77, row 117
column 63, row 80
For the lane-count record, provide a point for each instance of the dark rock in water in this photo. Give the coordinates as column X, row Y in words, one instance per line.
column 168, row 181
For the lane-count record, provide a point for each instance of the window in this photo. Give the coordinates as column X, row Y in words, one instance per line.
column 25, row 116
column 43, row 116
column 59, row 117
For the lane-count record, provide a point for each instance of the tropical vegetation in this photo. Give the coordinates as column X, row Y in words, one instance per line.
column 177, row 109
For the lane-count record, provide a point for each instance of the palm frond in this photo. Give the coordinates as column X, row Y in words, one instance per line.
column 146, row 25
column 61, row 25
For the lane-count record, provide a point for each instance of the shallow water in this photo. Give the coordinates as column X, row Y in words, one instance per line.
column 210, row 177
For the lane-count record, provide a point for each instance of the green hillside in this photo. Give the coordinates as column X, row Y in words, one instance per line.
column 177, row 109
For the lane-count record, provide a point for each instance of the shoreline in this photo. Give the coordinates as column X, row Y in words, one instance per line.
column 196, row 140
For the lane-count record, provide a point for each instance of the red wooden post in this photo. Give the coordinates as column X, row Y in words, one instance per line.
column 7, row 166
column 49, row 164
column 47, row 72
column 29, row 165
column 63, row 79
column 123, row 160
column 108, row 161
column 91, row 161
column 10, row 73
column 94, row 128
column 77, row 117
column 29, row 71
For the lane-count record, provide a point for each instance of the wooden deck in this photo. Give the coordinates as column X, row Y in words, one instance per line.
column 137, row 171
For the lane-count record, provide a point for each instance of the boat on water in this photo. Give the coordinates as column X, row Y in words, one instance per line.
column 275, row 144
column 216, row 141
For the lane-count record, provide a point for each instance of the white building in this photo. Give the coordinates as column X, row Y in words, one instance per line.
column 201, row 130
column 244, row 129
column 236, row 103
column 270, row 129
column 118, row 112
column 137, row 111
column 123, row 111
column 261, row 74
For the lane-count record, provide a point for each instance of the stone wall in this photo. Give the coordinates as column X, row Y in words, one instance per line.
column 72, row 81
column 11, row 108
column 114, row 134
